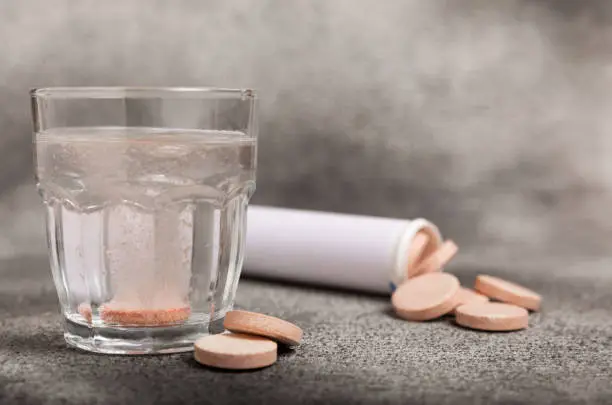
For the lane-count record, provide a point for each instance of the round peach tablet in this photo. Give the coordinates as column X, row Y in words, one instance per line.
column 418, row 245
column 467, row 296
column 437, row 259
column 425, row 297
column 263, row 325
column 114, row 314
column 235, row 351
column 506, row 291
column 492, row 316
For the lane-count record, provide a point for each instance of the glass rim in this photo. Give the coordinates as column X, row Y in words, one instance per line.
column 118, row 92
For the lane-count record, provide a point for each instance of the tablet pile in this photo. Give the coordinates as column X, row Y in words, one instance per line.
column 250, row 343
column 428, row 293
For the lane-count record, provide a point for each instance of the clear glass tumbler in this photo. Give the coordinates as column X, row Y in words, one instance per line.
column 146, row 193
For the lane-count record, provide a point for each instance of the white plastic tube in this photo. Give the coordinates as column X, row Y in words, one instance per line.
column 337, row 250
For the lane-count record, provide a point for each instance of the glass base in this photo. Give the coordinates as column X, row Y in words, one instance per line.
column 137, row 341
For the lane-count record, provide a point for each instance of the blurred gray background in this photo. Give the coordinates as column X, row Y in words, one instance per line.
column 492, row 119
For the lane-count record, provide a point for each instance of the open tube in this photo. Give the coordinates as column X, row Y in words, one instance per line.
column 356, row 252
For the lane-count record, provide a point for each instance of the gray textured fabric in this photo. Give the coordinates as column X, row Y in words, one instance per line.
column 354, row 352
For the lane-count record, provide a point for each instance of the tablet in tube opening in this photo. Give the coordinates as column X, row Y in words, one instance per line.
column 401, row 269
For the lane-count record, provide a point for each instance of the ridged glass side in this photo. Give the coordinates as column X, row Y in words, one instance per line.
column 146, row 235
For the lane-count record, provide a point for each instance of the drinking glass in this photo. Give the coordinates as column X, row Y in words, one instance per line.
column 146, row 193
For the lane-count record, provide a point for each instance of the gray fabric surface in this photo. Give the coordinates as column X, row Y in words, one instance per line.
column 355, row 351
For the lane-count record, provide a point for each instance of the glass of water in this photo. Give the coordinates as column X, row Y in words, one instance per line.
column 146, row 193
